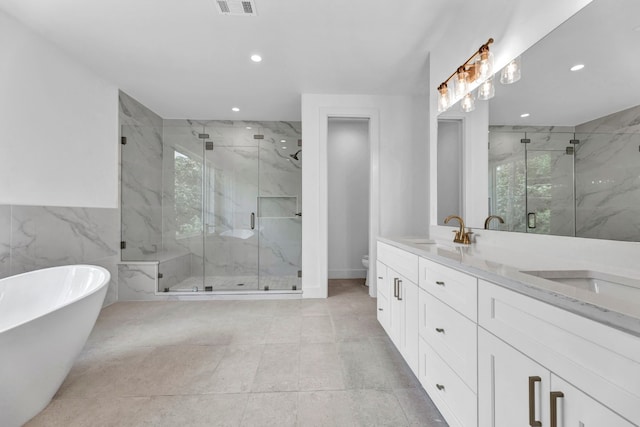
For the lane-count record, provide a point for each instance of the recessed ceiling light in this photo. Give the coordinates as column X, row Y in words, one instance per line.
column 577, row 67
column 283, row 140
column 236, row 109
column 525, row 115
column 256, row 58
column 248, row 127
column 284, row 148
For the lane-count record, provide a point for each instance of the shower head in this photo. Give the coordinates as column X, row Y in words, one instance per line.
column 295, row 156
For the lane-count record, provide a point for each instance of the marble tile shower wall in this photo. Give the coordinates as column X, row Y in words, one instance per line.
column 34, row 237
column 608, row 177
column 141, row 180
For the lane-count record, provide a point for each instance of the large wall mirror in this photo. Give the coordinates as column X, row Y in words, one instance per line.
column 564, row 143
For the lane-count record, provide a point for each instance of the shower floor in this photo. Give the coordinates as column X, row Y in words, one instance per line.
column 236, row 283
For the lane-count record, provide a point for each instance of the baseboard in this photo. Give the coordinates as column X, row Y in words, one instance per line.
column 348, row 274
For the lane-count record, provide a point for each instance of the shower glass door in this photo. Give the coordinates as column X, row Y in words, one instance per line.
column 231, row 185
column 550, row 188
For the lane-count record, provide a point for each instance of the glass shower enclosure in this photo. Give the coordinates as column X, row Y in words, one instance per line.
column 230, row 207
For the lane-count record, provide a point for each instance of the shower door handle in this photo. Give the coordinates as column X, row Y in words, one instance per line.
column 253, row 220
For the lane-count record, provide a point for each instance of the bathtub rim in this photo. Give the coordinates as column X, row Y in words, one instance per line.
column 104, row 283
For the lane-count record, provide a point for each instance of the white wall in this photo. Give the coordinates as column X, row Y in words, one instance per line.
column 398, row 174
column 58, row 126
column 348, row 186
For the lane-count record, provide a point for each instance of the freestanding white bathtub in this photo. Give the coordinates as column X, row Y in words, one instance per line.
column 45, row 319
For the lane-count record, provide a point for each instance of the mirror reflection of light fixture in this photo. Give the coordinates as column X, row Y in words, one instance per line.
column 486, row 90
column 468, row 104
column 511, row 73
column 478, row 68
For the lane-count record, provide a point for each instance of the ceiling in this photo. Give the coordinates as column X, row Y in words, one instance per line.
column 605, row 37
column 183, row 59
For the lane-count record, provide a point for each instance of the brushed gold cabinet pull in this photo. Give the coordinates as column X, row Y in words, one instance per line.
column 532, row 401
column 439, row 283
column 439, row 386
column 399, row 289
column 554, row 407
column 440, row 330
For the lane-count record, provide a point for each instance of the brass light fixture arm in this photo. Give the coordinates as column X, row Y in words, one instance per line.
column 482, row 48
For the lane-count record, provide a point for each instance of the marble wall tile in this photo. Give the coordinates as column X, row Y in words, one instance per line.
column 608, row 177
column 49, row 236
column 137, row 282
column 35, row 237
column 141, row 180
column 5, row 241
column 627, row 121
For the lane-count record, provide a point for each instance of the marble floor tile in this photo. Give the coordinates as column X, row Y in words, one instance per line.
column 237, row 369
column 360, row 368
column 317, row 329
column 279, row 368
column 320, row 367
column 377, row 408
column 252, row 363
column 284, row 329
column 271, row 409
column 326, row 408
column 418, row 408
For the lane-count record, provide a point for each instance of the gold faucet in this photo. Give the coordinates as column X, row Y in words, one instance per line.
column 489, row 218
column 461, row 236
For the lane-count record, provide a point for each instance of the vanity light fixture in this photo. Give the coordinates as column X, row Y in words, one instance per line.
column 511, row 73
column 486, row 90
column 235, row 109
column 256, row 58
column 478, row 68
column 577, row 67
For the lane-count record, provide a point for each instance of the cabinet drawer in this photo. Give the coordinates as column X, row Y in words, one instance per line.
column 458, row 290
column 452, row 336
column 405, row 263
column 381, row 280
column 601, row 361
column 457, row 402
column 384, row 313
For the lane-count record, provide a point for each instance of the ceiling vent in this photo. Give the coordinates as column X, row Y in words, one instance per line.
column 236, row 7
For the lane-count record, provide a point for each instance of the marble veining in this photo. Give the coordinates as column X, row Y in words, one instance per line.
column 35, row 237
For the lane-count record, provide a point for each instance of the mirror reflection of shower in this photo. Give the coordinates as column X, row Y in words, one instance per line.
column 295, row 156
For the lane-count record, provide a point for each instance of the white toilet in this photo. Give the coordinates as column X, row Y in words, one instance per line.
column 365, row 263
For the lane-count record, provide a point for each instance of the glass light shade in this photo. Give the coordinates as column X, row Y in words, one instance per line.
column 468, row 104
column 462, row 87
column 444, row 100
column 511, row 73
column 485, row 65
column 487, row 90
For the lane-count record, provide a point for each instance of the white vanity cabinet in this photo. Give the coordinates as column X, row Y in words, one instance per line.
column 539, row 363
column 398, row 290
column 448, row 341
column 489, row 356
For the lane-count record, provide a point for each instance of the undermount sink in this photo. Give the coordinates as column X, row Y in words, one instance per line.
column 593, row 281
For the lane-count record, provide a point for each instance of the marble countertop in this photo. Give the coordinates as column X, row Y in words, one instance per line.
column 504, row 266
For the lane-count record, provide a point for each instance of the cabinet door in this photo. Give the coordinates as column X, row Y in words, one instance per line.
column 513, row 390
column 571, row 407
column 408, row 296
